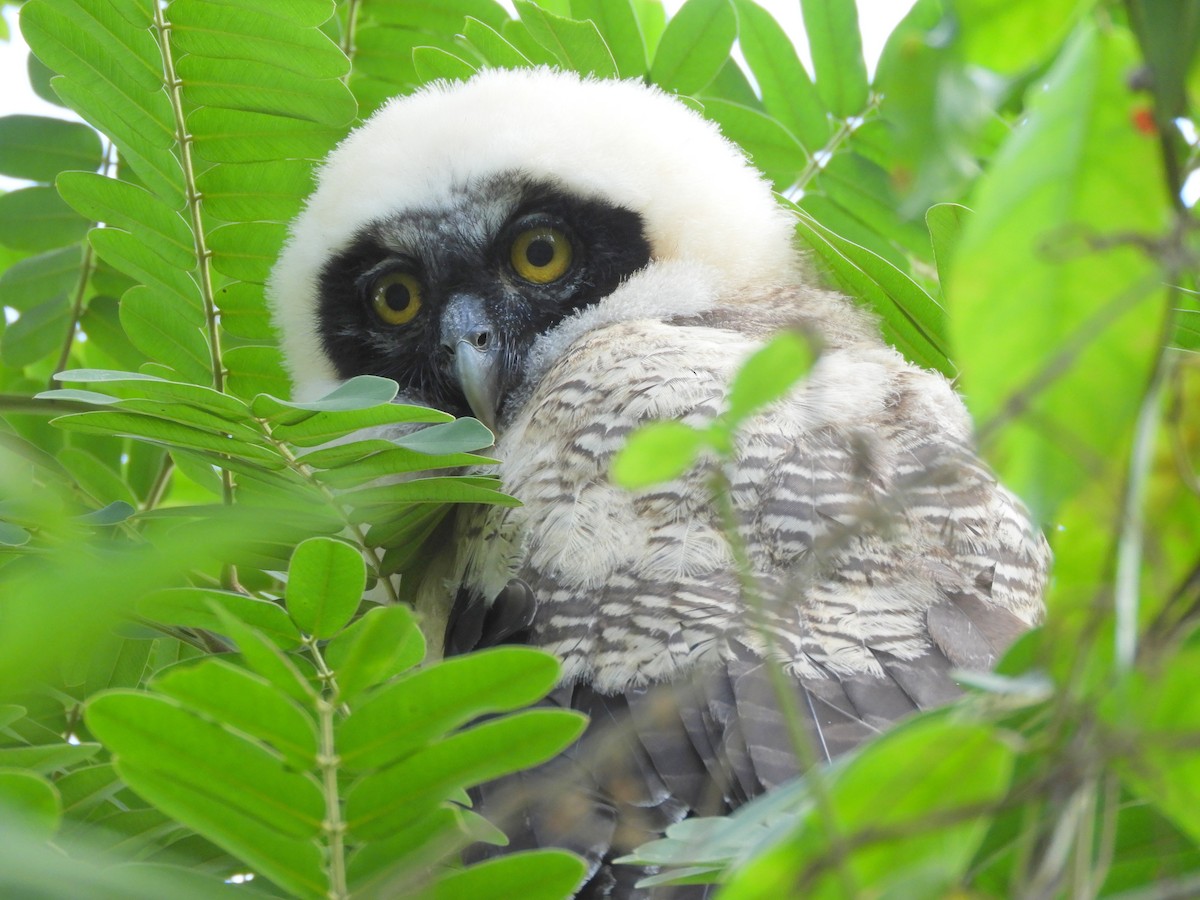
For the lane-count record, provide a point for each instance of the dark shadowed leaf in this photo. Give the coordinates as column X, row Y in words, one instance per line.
column 37, row 148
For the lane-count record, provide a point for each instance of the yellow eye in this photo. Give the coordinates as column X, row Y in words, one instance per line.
column 541, row 254
column 396, row 298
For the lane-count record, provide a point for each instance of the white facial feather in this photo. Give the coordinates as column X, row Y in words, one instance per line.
column 627, row 143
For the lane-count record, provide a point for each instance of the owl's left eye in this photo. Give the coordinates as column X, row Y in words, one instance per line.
column 541, row 254
column 396, row 298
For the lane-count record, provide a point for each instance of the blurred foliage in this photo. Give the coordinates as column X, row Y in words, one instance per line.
column 194, row 688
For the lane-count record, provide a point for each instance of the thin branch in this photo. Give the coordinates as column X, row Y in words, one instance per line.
column 87, row 267
column 328, row 763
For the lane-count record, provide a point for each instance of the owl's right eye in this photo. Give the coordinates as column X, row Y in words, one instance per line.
column 396, row 298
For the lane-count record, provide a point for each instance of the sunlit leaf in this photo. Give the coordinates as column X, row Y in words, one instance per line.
column 426, row 704
column 694, row 46
column 836, row 45
column 325, row 585
column 656, row 453
column 383, row 643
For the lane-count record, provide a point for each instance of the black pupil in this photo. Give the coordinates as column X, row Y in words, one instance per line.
column 540, row 252
column 397, row 296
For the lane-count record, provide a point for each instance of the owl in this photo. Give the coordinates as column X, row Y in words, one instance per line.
column 567, row 260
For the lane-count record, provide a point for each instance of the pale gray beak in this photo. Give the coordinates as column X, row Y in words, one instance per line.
column 471, row 339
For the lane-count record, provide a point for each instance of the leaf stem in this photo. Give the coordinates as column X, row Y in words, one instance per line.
column 195, row 203
column 373, row 558
column 87, row 267
column 817, row 161
column 328, row 762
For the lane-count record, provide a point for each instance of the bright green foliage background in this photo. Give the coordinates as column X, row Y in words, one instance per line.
column 191, row 683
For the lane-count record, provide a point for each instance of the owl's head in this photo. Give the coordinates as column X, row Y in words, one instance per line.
column 461, row 223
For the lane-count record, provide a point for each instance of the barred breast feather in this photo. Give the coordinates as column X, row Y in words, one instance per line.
column 884, row 556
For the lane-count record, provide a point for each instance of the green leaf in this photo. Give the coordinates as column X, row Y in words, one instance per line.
column 325, row 585
column 383, row 802
column 133, row 209
column 658, row 452
column 231, row 31
column 934, row 772
column 1055, row 317
column 37, row 333
column 244, row 312
column 836, row 46
column 426, row 704
column 256, row 191
column 694, row 46
column 393, row 461
column 1169, row 35
column 492, row 46
column 247, row 703
column 381, row 644
column 82, row 790
column 1012, row 37
column 359, row 392
column 246, row 250
column 193, row 608
column 237, row 136
column 460, row 436
column 432, row 63
column 253, row 85
column 255, row 370
column 768, row 375
column 134, row 385
column 46, row 758
column 787, row 91
column 945, row 222
column 531, row 875
column 32, row 800
column 264, row 657
column 94, row 476
column 37, row 279
column 448, row 489
column 393, row 860
column 112, row 514
column 443, row 16
column 125, row 101
column 771, row 147
column 578, row 46
column 324, row 426
column 145, row 136
column 146, row 730
column 126, row 253
column 168, row 433
column 912, row 320
column 163, row 329
column 1157, row 714
column 37, row 219
column 37, row 148
column 13, row 535
column 617, row 23
column 230, row 790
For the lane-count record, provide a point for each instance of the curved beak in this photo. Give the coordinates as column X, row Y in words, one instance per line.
column 472, row 341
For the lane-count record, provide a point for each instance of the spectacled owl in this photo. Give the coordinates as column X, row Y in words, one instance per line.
column 568, row 259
